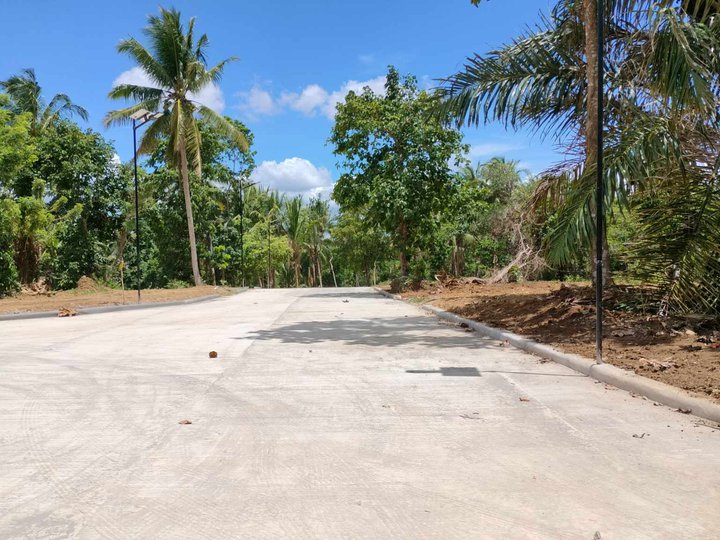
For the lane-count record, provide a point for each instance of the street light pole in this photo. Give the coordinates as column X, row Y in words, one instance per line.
column 268, row 251
column 137, row 212
column 145, row 116
column 242, row 233
column 600, row 188
column 242, row 227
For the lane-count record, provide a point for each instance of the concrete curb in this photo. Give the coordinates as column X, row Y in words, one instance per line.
column 626, row 380
column 112, row 308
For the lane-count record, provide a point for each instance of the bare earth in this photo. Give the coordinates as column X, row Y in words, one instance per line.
column 681, row 352
column 100, row 296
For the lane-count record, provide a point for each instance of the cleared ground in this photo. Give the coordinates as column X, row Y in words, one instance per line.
column 100, row 296
column 680, row 351
column 328, row 414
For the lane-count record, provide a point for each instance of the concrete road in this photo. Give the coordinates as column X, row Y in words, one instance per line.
column 328, row 414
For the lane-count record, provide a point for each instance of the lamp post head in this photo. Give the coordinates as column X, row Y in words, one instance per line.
column 145, row 116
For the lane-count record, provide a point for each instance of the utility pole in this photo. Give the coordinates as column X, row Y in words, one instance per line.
column 144, row 117
column 600, row 188
column 268, row 249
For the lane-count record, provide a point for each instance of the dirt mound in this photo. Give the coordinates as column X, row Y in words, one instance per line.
column 86, row 283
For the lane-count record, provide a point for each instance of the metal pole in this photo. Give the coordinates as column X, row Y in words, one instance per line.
column 268, row 250
column 600, row 191
column 137, row 214
column 242, row 234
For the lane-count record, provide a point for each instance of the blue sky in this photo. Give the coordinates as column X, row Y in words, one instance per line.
column 296, row 60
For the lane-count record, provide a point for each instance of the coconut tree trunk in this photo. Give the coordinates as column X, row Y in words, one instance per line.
column 592, row 52
column 185, row 178
column 332, row 271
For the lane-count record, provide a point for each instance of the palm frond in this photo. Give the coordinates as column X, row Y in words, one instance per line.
column 224, row 127
column 678, row 246
column 155, row 132
column 155, row 70
column 121, row 117
column 534, row 81
column 136, row 92
column 61, row 106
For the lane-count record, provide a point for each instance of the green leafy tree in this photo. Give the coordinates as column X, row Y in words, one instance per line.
column 266, row 252
column 358, row 248
column 176, row 66
column 79, row 172
column 9, row 217
column 17, row 150
column 396, row 160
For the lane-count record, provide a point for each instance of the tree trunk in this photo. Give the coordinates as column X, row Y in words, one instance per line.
column 403, row 234
column 211, row 262
column 458, row 259
column 185, row 178
column 332, row 270
column 296, row 263
column 592, row 52
column 319, row 271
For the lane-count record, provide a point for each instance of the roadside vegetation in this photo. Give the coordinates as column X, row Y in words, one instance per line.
column 408, row 206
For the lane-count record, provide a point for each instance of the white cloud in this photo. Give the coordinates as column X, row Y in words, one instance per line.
column 294, row 176
column 135, row 75
column 258, row 102
column 211, row 95
column 313, row 99
column 490, row 149
column 377, row 85
column 310, row 99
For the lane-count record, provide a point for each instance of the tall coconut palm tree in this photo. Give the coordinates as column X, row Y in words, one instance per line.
column 26, row 97
column 175, row 64
column 318, row 224
column 293, row 225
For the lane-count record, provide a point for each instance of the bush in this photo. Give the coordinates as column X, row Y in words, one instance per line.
column 9, row 216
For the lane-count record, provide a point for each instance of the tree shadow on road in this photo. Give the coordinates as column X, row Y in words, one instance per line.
column 347, row 295
column 378, row 332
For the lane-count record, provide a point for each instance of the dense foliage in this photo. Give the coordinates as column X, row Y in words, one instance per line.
column 661, row 131
column 67, row 207
column 407, row 203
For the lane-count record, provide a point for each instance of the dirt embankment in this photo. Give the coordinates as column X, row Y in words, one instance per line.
column 683, row 352
column 90, row 294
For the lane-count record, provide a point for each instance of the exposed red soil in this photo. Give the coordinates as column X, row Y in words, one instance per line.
column 87, row 295
column 683, row 352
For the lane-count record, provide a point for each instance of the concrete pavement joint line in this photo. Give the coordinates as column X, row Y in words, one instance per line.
column 654, row 390
column 111, row 308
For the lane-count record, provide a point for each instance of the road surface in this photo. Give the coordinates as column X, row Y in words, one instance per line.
column 328, row 414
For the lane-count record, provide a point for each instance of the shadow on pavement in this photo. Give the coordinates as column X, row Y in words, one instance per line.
column 348, row 295
column 385, row 332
